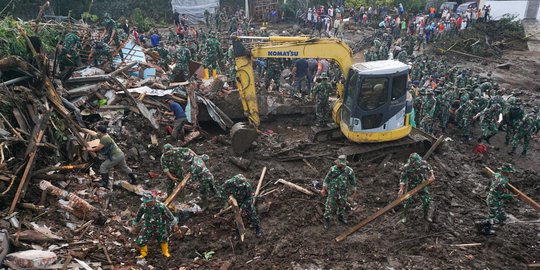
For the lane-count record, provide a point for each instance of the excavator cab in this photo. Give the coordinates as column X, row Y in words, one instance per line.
column 375, row 105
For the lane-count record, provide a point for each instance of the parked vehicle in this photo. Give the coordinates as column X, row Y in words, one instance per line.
column 463, row 7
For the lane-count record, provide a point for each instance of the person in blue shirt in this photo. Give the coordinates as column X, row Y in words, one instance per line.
column 154, row 39
column 180, row 117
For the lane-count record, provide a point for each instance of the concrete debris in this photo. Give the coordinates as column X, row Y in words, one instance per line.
column 35, row 259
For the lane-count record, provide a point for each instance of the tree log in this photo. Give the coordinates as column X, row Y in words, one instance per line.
column 77, row 206
column 177, row 189
column 238, row 218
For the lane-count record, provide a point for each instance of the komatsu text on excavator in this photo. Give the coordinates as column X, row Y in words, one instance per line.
column 373, row 104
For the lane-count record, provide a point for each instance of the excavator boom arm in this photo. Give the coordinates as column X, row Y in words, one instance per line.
column 282, row 47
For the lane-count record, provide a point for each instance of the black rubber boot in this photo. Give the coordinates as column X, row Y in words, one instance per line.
column 342, row 219
column 326, row 223
column 105, row 180
column 132, row 179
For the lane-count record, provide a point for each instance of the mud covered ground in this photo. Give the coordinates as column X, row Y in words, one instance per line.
column 294, row 237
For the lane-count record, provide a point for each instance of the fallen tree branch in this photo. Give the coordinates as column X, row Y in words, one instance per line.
column 295, row 186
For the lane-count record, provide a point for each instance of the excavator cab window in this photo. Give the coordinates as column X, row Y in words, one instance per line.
column 399, row 86
column 373, row 93
column 349, row 90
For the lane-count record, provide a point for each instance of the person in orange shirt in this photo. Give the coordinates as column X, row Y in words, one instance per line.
column 431, row 12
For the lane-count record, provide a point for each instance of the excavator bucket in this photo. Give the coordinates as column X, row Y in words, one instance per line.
column 242, row 135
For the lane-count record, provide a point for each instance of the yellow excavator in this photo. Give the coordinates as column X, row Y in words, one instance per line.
column 373, row 104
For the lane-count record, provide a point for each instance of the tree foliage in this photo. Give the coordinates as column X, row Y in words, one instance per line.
column 409, row 5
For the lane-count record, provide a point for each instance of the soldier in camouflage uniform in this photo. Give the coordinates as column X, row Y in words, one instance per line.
column 69, row 56
column 112, row 34
column 416, row 72
column 370, row 55
column 242, row 191
column 524, row 132
column 512, row 115
column 173, row 37
column 183, row 58
column 273, row 68
column 465, row 115
column 231, row 65
column 321, row 92
column 402, row 57
column 200, row 173
column 441, row 109
column 428, row 112
column 488, row 122
column 213, row 54
column 100, row 49
column 158, row 223
column 171, row 163
column 415, row 171
column 338, row 183
column 163, row 56
column 498, row 192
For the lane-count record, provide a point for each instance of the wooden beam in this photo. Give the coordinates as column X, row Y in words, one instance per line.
column 177, row 189
column 387, row 208
column 258, row 190
column 526, row 199
column 295, row 186
column 433, row 147
column 40, row 128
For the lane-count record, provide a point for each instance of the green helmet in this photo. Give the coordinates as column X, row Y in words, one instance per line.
column 324, row 76
column 167, row 147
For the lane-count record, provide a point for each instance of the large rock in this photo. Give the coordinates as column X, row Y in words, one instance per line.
column 30, row 259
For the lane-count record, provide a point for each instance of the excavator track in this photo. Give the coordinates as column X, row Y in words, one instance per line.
column 417, row 141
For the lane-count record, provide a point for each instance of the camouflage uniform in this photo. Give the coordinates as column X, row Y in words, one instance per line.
column 102, row 49
column 441, row 110
column 512, row 117
column 171, row 161
column 232, row 65
column 383, row 52
column 173, row 37
column 158, row 222
column 524, row 132
column 370, row 55
column 402, row 57
column 428, row 112
column 207, row 18
column 110, row 26
column 498, row 191
column 465, row 117
column 200, row 173
column 488, row 122
column 163, row 57
column 322, row 91
column 70, row 51
column 183, row 57
column 415, row 171
column 242, row 191
column 338, row 182
column 274, row 72
column 213, row 53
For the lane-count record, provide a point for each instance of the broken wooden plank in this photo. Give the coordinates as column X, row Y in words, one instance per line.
column 31, row 153
column 238, row 218
column 309, row 165
column 223, row 211
column 13, row 81
column 433, row 147
column 526, row 199
column 387, row 208
column 295, row 187
column 177, row 189
column 153, row 139
column 258, row 190
column 62, row 168
column 467, row 245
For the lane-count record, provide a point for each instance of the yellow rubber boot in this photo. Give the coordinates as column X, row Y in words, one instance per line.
column 214, row 73
column 205, row 76
column 165, row 249
column 144, row 252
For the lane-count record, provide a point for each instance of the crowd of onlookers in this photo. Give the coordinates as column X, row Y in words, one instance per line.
column 331, row 20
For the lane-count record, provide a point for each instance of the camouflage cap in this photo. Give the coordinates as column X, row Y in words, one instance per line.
column 148, row 197
column 167, row 147
column 324, row 75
